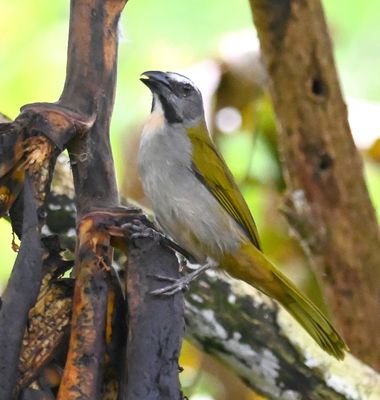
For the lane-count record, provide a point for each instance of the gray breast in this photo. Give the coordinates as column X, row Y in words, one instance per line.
column 184, row 207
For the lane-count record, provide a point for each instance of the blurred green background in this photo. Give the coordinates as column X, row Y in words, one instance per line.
column 175, row 35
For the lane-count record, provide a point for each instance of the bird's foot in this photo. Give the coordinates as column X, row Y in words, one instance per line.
column 182, row 284
column 140, row 230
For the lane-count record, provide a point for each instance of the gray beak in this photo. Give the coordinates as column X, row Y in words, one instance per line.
column 156, row 81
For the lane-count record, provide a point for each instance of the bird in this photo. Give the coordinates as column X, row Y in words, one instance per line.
column 198, row 204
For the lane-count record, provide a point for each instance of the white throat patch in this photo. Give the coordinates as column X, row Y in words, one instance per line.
column 156, row 119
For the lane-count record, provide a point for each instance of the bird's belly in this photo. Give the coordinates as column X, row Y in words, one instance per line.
column 189, row 213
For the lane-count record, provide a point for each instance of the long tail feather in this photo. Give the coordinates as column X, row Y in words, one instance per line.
column 254, row 268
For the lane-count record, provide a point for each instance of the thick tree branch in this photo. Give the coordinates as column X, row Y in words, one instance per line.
column 328, row 203
column 20, row 294
column 31, row 144
column 266, row 347
column 156, row 324
column 82, row 375
column 90, row 89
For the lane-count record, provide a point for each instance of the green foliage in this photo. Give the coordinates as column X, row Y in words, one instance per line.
column 355, row 29
column 7, row 255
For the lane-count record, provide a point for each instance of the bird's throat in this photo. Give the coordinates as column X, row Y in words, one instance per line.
column 155, row 122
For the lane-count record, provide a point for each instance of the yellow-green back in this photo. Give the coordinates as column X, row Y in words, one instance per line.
column 212, row 171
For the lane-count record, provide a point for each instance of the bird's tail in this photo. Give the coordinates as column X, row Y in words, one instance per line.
column 254, row 268
column 311, row 318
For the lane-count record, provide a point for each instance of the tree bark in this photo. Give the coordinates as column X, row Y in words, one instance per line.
column 328, row 204
column 90, row 89
column 20, row 295
column 266, row 347
column 156, row 324
column 82, row 376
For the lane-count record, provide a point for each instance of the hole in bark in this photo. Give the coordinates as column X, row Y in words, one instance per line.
column 318, row 87
column 325, row 162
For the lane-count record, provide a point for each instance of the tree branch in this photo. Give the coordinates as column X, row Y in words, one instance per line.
column 266, row 347
column 20, row 295
column 90, row 89
column 32, row 142
column 82, row 374
column 328, row 203
column 153, row 352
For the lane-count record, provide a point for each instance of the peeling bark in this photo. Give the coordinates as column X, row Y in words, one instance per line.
column 48, row 320
column 82, row 374
column 328, row 205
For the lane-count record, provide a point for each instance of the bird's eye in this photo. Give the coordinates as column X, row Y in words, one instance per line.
column 186, row 89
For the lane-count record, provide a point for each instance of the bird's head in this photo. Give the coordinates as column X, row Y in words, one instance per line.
column 176, row 96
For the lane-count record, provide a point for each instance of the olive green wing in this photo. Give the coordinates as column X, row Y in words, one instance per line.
column 211, row 169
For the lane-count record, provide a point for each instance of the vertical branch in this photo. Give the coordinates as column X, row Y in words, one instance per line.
column 32, row 143
column 156, row 324
column 82, row 374
column 20, row 294
column 116, row 338
column 328, row 205
column 90, row 89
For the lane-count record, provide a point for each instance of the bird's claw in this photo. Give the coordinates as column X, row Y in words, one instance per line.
column 181, row 284
column 170, row 290
column 140, row 230
column 177, row 285
column 164, row 278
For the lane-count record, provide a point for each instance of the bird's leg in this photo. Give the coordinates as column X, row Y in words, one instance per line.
column 183, row 283
column 182, row 261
